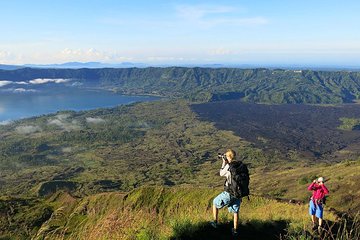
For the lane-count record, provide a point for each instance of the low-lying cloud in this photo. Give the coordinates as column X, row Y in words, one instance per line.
column 62, row 121
column 48, row 80
column 94, row 120
column 5, row 122
column 18, row 90
column 4, row 83
column 67, row 149
column 89, row 55
column 27, row 129
column 23, row 90
column 36, row 81
column 22, row 83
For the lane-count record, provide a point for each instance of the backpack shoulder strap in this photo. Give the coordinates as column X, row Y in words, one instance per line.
column 235, row 164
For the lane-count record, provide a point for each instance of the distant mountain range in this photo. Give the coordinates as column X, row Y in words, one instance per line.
column 79, row 65
column 9, row 67
column 75, row 65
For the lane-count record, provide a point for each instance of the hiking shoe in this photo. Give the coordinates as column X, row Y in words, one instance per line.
column 214, row 224
column 234, row 232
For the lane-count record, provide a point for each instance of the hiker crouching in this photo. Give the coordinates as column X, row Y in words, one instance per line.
column 236, row 186
column 316, row 204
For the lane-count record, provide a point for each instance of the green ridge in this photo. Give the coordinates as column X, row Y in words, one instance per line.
column 212, row 84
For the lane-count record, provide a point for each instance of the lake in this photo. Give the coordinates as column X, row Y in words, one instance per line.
column 17, row 105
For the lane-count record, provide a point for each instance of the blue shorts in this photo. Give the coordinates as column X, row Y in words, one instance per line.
column 316, row 209
column 224, row 199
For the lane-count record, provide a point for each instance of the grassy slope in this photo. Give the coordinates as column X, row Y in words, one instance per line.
column 290, row 182
column 163, row 213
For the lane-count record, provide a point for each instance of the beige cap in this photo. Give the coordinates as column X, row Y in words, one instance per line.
column 320, row 179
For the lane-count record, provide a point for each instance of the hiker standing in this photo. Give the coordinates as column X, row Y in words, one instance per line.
column 235, row 187
column 316, row 207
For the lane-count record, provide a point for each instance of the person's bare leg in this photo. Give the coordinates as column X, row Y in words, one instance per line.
column 313, row 219
column 215, row 213
column 236, row 218
column 320, row 222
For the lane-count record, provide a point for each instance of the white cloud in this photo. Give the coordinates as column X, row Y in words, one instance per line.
column 23, row 90
column 48, row 80
column 7, row 57
column 63, row 122
column 4, row 54
column 4, row 83
column 22, row 83
column 17, row 90
column 91, row 52
column 94, row 120
column 67, row 149
column 56, row 122
column 11, row 57
column 27, row 129
column 66, row 55
column 89, row 55
column 6, row 122
column 34, row 81
column 76, row 84
column 62, row 117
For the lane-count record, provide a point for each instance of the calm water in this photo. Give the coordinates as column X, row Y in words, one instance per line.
column 20, row 105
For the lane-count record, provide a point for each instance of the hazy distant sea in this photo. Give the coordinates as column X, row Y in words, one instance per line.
column 16, row 105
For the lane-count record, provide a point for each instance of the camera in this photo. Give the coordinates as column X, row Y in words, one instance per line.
column 222, row 156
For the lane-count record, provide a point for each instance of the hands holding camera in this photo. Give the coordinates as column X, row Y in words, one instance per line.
column 223, row 157
column 318, row 182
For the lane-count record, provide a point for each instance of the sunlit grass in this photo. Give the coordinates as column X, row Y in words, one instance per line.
column 165, row 212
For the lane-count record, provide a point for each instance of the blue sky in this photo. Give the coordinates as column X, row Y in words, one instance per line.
column 307, row 32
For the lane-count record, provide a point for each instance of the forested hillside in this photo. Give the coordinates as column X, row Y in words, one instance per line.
column 209, row 84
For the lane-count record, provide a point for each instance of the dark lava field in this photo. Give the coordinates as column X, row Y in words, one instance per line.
column 311, row 130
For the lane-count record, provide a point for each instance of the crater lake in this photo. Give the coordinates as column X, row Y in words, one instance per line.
column 20, row 103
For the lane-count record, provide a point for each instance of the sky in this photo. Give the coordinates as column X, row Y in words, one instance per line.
column 262, row 32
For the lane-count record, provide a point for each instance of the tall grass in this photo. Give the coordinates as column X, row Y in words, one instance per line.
column 347, row 228
column 163, row 213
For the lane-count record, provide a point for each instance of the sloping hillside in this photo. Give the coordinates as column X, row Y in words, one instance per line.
column 150, row 213
column 290, row 182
